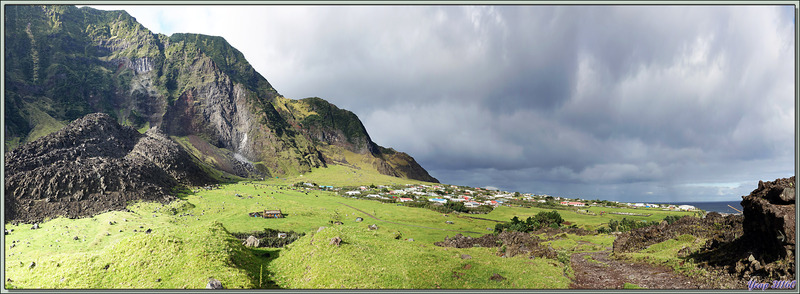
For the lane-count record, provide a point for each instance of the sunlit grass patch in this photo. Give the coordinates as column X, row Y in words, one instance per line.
column 374, row 259
column 340, row 175
column 667, row 253
column 168, row 257
column 576, row 243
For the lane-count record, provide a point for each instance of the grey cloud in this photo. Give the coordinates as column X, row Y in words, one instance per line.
column 617, row 102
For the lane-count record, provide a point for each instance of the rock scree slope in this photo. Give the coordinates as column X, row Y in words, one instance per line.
column 91, row 166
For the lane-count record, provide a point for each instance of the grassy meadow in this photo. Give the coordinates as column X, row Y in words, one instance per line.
column 189, row 241
column 583, row 220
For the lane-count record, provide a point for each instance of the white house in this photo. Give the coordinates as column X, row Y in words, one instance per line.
column 686, row 207
column 352, row 193
column 471, row 204
column 439, row 200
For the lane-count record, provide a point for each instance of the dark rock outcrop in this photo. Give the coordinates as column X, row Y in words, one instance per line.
column 509, row 244
column 91, row 166
column 713, row 226
column 760, row 244
column 769, row 230
column 769, row 217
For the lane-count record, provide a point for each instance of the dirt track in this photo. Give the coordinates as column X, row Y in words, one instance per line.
column 602, row 272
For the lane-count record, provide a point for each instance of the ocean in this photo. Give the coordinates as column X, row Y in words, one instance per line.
column 717, row 206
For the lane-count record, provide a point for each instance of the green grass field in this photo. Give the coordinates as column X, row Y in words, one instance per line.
column 190, row 242
column 666, row 253
column 375, row 260
column 173, row 255
column 587, row 221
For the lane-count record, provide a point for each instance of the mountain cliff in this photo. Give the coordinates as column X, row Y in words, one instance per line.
column 64, row 62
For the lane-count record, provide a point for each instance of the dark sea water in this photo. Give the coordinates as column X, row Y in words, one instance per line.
column 720, row 206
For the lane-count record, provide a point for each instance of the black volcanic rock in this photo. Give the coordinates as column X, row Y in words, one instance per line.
column 759, row 244
column 769, row 226
column 91, row 166
column 713, row 227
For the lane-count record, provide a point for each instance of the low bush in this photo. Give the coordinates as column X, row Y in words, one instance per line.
column 542, row 219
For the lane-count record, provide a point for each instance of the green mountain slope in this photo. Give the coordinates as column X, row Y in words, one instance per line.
column 64, row 62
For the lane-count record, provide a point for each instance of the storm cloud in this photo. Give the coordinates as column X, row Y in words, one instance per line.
column 633, row 103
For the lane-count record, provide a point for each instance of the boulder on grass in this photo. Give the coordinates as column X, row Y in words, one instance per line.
column 214, row 284
column 251, row 241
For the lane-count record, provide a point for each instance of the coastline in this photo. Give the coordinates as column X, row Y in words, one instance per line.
column 709, row 206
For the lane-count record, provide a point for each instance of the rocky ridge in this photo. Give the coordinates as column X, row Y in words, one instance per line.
column 65, row 62
column 91, row 166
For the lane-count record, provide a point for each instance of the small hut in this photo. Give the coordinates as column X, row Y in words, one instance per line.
column 267, row 214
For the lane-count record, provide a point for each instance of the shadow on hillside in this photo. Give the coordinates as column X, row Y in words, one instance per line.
column 257, row 267
column 182, row 192
column 256, row 259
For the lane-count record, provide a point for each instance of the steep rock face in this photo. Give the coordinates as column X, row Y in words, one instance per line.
column 331, row 125
column 91, row 166
column 327, row 123
column 64, row 62
column 404, row 165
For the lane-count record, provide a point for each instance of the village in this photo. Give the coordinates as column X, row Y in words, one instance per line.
column 474, row 198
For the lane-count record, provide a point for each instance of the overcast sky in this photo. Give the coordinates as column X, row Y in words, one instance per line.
column 629, row 103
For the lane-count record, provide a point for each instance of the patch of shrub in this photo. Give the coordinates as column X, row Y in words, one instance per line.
column 543, row 219
column 625, row 225
column 671, row 219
